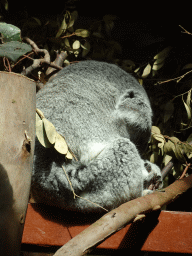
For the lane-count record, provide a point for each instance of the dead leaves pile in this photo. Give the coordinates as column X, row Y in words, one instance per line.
column 49, row 137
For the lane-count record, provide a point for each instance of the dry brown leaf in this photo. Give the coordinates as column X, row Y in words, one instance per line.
column 60, row 144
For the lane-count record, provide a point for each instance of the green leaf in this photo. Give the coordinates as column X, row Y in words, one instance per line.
column 86, row 48
column 159, row 61
column 187, row 66
column 62, row 28
column 82, row 32
column 179, row 153
column 188, row 109
column 189, row 139
column 174, row 147
column 5, row 4
column 167, row 159
column 189, row 98
column 146, row 71
column 67, row 44
column 10, row 32
column 164, row 53
column 158, row 136
column 14, row 50
column 157, row 66
column 154, row 157
column 37, row 20
column 73, row 18
column 169, row 148
column 76, row 45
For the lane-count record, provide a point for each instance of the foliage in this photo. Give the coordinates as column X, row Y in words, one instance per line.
column 12, row 47
column 49, row 137
column 169, row 88
column 169, row 147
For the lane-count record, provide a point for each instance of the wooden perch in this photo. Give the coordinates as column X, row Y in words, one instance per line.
column 121, row 216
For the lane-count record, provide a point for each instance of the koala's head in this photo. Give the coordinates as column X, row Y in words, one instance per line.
column 133, row 108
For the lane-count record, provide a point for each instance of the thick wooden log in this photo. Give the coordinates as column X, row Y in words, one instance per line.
column 17, row 139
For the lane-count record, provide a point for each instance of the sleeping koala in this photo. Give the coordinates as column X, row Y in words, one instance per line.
column 105, row 116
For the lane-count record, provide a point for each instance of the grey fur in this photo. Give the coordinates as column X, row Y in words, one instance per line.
column 105, row 116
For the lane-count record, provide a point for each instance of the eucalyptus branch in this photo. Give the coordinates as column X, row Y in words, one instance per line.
column 121, row 216
column 38, row 62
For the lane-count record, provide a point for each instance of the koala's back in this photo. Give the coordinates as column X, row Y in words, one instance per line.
column 81, row 100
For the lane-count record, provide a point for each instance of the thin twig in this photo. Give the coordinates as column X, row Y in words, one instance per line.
column 176, row 78
column 185, row 31
column 75, row 195
column 185, row 171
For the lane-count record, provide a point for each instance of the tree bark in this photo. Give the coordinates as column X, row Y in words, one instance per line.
column 17, row 140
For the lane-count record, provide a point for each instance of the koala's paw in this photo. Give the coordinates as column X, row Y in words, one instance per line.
column 152, row 176
column 147, row 192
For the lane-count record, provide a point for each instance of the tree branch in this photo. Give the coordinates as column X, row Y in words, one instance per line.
column 38, row 62
column 121, row 216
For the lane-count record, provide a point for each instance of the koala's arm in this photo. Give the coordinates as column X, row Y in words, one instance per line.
column 112, row 178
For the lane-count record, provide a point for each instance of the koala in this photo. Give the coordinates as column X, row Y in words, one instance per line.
column 105, row 117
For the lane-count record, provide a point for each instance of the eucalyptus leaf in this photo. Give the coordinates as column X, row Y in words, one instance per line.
column 37, row 118
column 62, row 28
column 188, row 102
column 157, row 66
column 14, row 50
column 155, row 129
column 76, row 45
column 154, row 157
column 189, row 139
column 159, row 61
column 163, row 54
column 82, row 32
column 188, row 109
column 41, row 134
column 167, row 159
column 67, row 44
column 86, row 48
column 37, row 20
column 179, row 153
column 146, row 71
column 39, row 113
column 60, row 144
column 50, row 130
column 69, row 155
column 10, row 32
column 187, row 66
column 73, row 18
column 169, row 148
